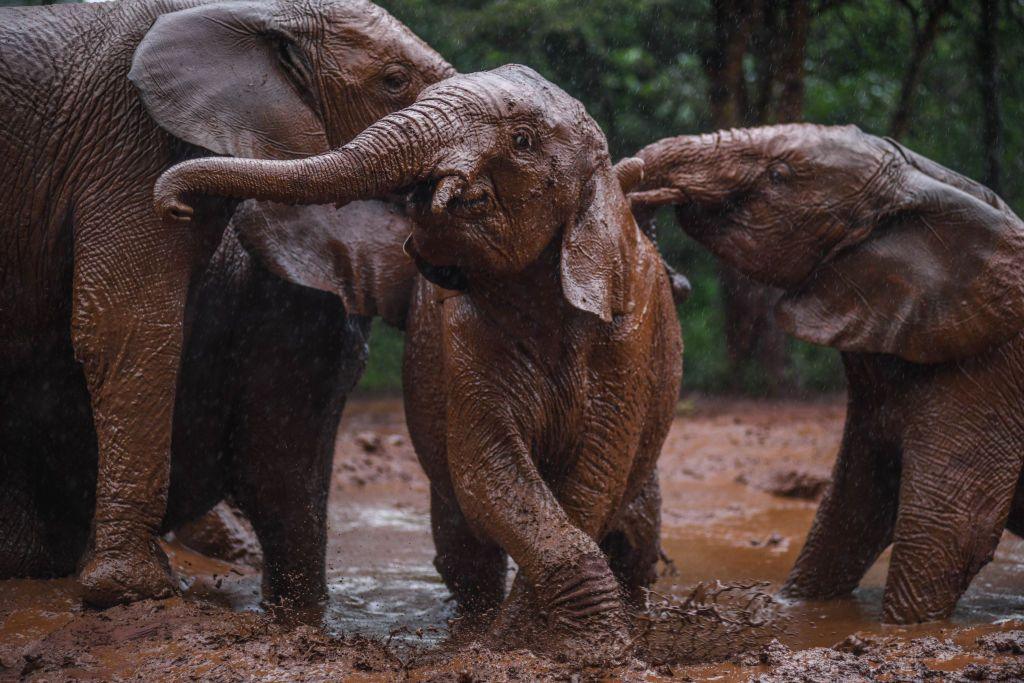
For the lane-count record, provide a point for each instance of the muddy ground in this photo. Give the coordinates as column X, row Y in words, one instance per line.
column 739, row 481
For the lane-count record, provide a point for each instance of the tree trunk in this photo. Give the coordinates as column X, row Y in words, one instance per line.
column 754, row 343
column 924, row 40
column 988, row 66
column 724, row 63
column 791, row 100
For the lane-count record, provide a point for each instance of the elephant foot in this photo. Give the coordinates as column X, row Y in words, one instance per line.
column 582, row 620
column 120, row 577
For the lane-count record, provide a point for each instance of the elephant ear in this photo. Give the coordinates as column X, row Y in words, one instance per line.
column 598, row 251
column 354, row 252
column 225, row 78
column 941, row 279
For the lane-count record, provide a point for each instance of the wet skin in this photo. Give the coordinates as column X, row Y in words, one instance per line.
column 914, row 273
column 100, row 99
column 538, row 395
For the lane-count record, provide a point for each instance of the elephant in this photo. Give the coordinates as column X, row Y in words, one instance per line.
column 97, row 294
column 265, row 375
column 543, row 354
column 914, row 273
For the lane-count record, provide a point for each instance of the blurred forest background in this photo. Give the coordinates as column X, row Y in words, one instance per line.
column 943, row 76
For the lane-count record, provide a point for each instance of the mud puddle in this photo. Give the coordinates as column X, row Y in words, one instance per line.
column 721, row 520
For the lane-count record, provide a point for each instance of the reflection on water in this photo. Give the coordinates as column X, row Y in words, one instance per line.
column 380, row 570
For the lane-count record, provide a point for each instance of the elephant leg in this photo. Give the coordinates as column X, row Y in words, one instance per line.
column 474, row 571
column 130, row 285
column 855, row 519
column 24, row 550
column 298, row 356
column 633, row 545
column 47, row 469
column 954, row 504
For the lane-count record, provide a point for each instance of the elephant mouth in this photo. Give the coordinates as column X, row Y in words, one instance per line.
column 450, row 197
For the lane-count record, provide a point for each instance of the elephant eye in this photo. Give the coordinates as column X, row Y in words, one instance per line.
column 779, row 172
column 522, row 140
column 396, row 80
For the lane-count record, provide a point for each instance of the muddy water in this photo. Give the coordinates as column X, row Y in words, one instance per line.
column 714, row 527
column 718, row 523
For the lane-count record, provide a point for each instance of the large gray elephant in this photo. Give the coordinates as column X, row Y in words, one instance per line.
column 95, row 101
column 916, row 274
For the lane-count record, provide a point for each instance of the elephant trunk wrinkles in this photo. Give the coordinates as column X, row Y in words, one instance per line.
column 397, row 151
column 675, row 170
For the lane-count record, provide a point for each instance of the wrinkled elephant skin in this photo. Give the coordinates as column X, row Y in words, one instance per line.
column 543, row 354
column 96, row 101
column 913, row 272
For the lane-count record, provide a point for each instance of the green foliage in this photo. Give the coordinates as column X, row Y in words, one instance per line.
column 384, row 368
column 637, row 65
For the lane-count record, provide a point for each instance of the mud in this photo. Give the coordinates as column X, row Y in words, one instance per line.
column 388, row 618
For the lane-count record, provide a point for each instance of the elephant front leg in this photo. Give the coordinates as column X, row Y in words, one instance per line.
column 854, row 522
column 568, row 577
column 129, row 301
column 955, row 497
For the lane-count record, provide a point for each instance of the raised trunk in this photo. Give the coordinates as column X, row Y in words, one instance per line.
column 397, row 151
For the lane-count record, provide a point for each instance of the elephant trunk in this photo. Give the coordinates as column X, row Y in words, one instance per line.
column 397, row 151
column 688, row 169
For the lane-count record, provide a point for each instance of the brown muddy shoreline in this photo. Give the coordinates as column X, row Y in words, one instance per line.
column 737, row 477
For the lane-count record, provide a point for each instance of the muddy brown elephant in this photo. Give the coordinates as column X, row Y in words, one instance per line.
column 96, row 101
column 543, row 354
column 914, row 273
column 265, row 375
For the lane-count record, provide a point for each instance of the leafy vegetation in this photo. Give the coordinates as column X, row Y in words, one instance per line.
column 640, row 67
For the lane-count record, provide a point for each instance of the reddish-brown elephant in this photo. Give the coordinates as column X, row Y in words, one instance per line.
column 543, row 354
column 916, row 274
column 96, row 100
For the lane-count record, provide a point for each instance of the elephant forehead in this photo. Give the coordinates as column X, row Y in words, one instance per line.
column 827, row 146
column 514, row 91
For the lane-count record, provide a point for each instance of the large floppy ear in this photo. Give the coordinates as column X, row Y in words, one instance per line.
column 599, row 250
column 225, row 78
column 354, row 252
column 942, row 278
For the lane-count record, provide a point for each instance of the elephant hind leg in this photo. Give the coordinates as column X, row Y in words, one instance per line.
column 24, row 551
column 475, row 572
column 855, row 520
column 953, row 508
column 633, row 545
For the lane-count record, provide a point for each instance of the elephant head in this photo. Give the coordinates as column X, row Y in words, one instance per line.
column 279, row 79
column 494, row 165
column 878, row 249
